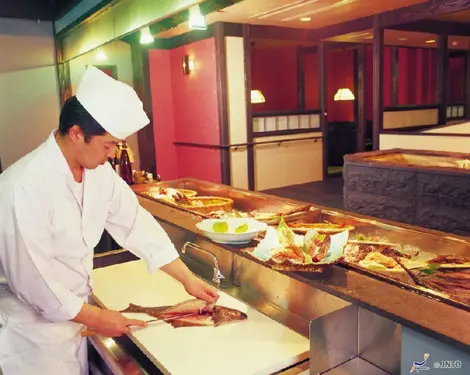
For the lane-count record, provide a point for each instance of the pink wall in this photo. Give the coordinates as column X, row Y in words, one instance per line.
column 186, row 110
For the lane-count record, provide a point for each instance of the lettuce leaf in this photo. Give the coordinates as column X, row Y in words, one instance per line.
column 285, row 234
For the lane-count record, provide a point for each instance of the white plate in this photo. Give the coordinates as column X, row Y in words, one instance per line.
column 230, row 237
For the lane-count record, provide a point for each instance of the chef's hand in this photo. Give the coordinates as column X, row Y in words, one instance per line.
column 200, row 289
column 113, row 324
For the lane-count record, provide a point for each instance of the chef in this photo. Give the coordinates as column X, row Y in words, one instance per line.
column 55, row 203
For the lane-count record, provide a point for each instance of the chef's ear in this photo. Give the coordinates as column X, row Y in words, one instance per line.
column 76, row 134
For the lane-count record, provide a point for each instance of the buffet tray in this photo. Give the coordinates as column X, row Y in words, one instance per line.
column 416, row 159
column 243, row 200
column 432, row 243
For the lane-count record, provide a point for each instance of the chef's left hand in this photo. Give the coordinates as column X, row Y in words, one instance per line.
column 200, row 289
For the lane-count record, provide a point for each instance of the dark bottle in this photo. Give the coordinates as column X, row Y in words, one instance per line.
column 125, row 166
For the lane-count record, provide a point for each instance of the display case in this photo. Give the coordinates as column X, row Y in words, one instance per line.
column 423, row 188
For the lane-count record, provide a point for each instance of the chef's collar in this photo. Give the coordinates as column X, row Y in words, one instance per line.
column 113, row 104
column 60, row 164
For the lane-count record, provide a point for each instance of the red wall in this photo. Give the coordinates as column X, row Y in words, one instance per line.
column 417, row 74
column 456, row 80
column 311, row 80
column 274, row 72
column 186, row 110
column 340, row 74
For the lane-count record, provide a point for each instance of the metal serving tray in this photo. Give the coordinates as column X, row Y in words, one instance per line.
column 245, row 201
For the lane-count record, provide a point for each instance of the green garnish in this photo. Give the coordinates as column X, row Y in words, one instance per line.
column 242, row 228
column 285, row 234
column 431, row 269
column 220, row 227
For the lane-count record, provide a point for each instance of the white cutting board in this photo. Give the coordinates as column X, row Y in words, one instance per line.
column 257, row 345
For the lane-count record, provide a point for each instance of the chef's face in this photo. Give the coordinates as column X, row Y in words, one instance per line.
column 95, row 151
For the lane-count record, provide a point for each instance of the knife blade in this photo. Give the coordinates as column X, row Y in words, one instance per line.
column 90, row 332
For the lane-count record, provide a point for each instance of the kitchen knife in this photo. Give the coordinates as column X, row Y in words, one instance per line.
column 90, row 332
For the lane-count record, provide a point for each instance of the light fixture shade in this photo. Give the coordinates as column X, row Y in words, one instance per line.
column 257, row 97
column 196, row 20
column 146, row 36
column 344, row 94
column 188, row 65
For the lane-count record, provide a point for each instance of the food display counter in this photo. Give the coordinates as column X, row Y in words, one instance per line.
column 354, row 289
column 424, row 188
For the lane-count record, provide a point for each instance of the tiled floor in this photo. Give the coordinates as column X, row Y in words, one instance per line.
column 327, row 193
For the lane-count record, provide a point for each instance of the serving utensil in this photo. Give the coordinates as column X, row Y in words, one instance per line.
column 91, row 332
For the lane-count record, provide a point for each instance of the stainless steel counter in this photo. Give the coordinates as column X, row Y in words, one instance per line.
column 353, row 321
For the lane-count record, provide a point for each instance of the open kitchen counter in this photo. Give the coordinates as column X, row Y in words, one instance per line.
column 381, row 296
column 348, row 312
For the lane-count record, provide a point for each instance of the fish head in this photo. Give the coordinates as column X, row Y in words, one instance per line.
column 224, row 315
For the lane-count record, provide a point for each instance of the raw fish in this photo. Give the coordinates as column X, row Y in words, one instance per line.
column 204, row 314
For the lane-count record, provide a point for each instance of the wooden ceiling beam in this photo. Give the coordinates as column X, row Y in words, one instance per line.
column 436, row 27
column 393, row 18
column 359, row 24
column 279, row 33
column 421, row 11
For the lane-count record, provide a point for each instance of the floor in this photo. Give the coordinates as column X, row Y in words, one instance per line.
column 328, row 193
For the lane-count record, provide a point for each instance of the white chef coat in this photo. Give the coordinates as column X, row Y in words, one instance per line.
column 47, row 240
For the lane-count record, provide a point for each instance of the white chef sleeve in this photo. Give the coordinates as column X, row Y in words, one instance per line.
column 26, row 261
column 135, row 229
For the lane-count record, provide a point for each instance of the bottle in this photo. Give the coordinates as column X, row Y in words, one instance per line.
column 116, row 160
column 125, row 166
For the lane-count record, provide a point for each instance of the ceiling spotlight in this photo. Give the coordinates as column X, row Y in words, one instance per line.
column 454, row 43
column 430, row 41
column 306, row 19
column 402, row 39
column 146, row 36
column 197, row 21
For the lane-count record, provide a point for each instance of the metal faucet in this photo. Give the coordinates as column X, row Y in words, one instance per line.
column 217, row 277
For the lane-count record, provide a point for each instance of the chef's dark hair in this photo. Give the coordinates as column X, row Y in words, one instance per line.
column 73, row 113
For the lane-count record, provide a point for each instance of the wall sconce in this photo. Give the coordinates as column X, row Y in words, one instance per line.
column 344, row 94
column 188, row 65
column 257, row 97
column 146, row 36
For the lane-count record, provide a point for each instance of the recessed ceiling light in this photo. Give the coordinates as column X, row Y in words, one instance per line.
column 306, row 19
column 402, row 39
column 430, row 41
column 455, row 43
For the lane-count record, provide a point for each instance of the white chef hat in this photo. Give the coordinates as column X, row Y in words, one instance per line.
column 113, row 104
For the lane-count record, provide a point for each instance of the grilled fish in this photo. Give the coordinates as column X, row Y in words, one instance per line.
column 204, row 314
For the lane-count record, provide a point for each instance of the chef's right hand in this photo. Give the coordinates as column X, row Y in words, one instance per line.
column 113, row 324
